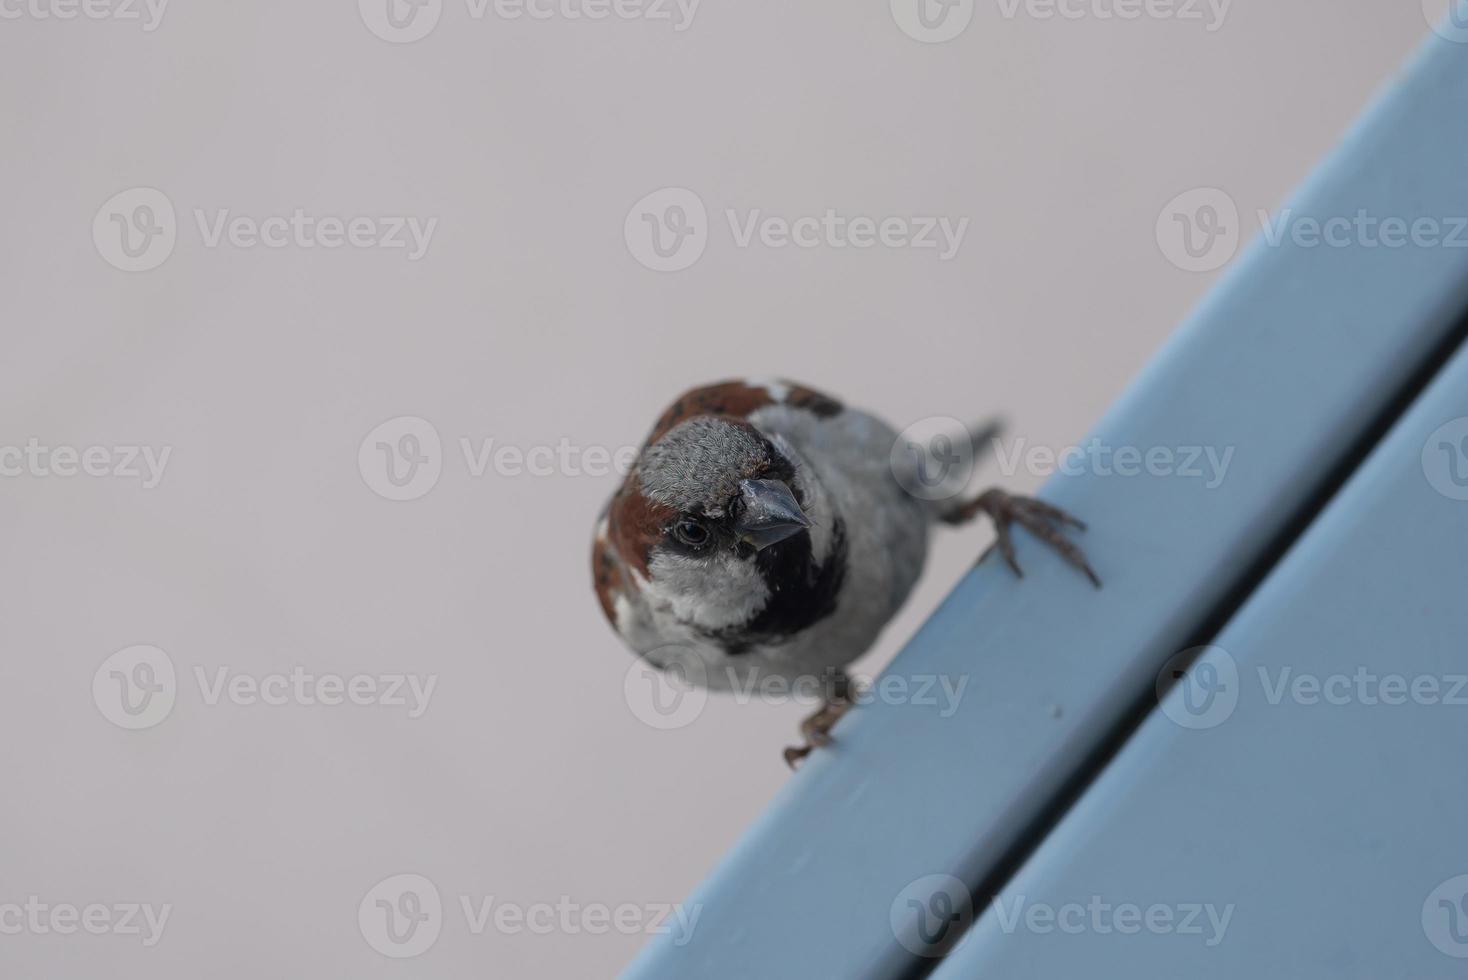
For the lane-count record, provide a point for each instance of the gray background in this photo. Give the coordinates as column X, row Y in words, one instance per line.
column 528, row 321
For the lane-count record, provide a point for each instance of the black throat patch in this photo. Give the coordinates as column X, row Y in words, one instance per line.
column 802, row 592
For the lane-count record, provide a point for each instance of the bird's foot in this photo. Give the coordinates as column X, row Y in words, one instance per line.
column 816, row 730
column 1044, row 521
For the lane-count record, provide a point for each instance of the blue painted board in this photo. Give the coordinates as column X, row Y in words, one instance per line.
column 1311, row 774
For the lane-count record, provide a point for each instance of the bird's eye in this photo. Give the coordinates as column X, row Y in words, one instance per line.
column 691, row 533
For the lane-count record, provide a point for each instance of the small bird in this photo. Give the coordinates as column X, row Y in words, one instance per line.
column 764, row 529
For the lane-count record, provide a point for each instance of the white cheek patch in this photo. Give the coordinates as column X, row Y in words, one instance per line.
column 623, row 611
column 710, row 594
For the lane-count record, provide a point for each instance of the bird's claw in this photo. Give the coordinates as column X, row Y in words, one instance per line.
column 794, row 754
column 816, row 730
column 1045, row 521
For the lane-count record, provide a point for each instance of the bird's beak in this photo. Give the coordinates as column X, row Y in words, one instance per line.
column 768, row 513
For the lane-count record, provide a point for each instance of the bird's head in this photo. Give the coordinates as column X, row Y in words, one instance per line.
column 709, row 501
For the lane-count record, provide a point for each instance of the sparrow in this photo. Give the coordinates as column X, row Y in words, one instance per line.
column 764, row 529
